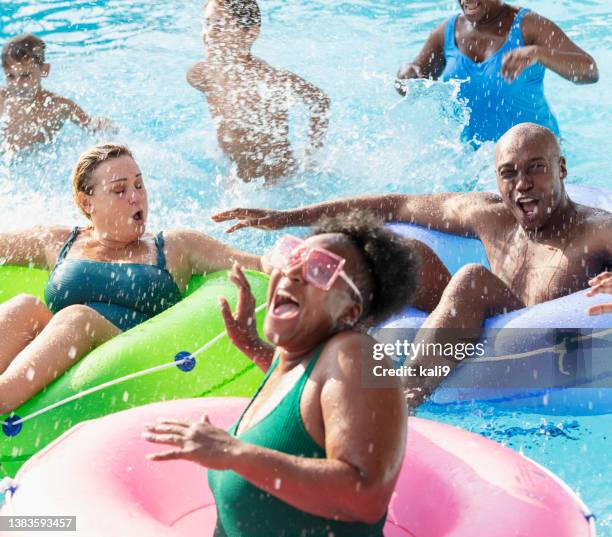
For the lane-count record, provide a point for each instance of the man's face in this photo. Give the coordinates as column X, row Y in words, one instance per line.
column 23, row 78
column 530, row 174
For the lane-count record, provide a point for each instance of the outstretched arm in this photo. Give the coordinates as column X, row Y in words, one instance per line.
column 451, row 212
column 318, row 102
column 429, row 63
column 204, row 254
column 79, row 117
column 548, row 44
column 35, row 247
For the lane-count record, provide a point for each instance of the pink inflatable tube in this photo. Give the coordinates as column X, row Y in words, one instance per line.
column 453, row 483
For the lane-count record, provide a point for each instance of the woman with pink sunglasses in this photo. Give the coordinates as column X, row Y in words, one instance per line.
column 317, row 451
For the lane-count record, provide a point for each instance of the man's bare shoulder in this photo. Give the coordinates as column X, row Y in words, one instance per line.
column 268, row 72
column 198, row 75
column 56, row 103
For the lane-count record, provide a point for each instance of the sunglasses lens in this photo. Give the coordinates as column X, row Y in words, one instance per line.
column 322, row 269
column 281, row 254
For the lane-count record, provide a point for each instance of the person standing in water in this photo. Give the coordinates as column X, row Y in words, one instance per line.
column 29, row 114
column 249, row 99
column 500, row 53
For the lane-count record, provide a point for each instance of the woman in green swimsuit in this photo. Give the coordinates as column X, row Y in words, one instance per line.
column 106, row 277
column 316, row 452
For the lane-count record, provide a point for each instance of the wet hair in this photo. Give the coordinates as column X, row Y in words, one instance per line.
column 245, row 12
column 23, row 48
column 89, row 161
column 392, row 278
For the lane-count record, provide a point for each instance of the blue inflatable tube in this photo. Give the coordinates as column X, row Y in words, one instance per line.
column 550, row 358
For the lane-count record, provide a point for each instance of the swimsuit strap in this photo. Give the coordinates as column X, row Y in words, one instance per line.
column 516, row 34
column 161, row 256
column 449, row 32
column 67, row 245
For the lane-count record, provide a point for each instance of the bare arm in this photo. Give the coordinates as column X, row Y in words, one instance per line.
column 429, row 63
column 548, row 44
column 201, row 253
column 35, row 247
column 196, row 76
column 364, row 445
column 461, row 214
column 318, row 102
column 79, row 117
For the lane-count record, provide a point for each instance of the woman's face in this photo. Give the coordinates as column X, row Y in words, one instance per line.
column 301, row 315
column 479, row 10
column 118, row 206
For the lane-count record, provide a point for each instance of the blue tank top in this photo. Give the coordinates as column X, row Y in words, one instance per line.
column 126, row 294
column 495, row 105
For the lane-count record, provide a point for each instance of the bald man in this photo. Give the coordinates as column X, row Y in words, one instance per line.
column 540, row 244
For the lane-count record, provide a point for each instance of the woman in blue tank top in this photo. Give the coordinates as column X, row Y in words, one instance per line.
column 499, row 54
column 106, row 277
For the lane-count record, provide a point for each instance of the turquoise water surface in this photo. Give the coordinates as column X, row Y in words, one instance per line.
column 127, row 61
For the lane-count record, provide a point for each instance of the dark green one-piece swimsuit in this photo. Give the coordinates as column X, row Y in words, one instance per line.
column 243, row 510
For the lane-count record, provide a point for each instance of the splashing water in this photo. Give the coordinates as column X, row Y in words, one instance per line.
column 128, row 61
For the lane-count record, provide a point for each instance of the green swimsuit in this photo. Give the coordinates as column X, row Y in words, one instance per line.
column 243, row 510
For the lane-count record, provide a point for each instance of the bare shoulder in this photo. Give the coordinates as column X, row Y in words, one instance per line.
column 344, row 356
column 184, row 241
column 478, row 203
column 437, row 35
column 57, row 104
column 198, row 75
column 182, row 236
column 596, row 220
column 535, row 27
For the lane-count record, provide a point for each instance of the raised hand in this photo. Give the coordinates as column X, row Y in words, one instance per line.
column 258, row 218
column 241, row 326
column 200, row 442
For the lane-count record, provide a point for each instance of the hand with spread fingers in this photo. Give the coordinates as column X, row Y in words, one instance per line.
column 258, row 218
column 600, row 284
column 241, row 326
column 200, row 442
column 517, row 60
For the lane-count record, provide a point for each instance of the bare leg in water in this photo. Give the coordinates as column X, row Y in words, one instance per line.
column 38, row 346
column 473, row 294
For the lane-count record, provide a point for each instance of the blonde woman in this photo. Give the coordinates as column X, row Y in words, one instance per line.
column 106, row 277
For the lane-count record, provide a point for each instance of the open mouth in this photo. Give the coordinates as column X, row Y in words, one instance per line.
column 284, row 306
column 138, row 216
column 528, row 205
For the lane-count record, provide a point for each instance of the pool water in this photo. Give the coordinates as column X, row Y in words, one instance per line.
column 128, row 61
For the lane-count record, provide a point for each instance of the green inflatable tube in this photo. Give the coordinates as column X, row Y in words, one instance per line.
column 138, row 367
